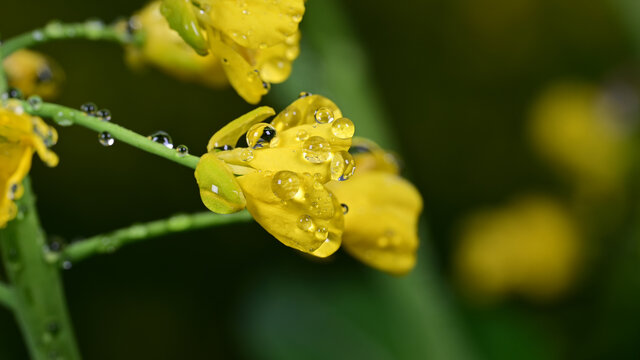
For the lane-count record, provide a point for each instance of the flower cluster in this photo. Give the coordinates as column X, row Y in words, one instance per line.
column 296, row 177
column 251, row 43
column 20, row 136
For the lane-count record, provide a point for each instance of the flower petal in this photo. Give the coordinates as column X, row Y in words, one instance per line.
column 219, row 190
column 33, row 73
column 303, row 215
column 256, row 23
column 231, row 132
column 303, row 111
column 382, row 219
column 275, row 62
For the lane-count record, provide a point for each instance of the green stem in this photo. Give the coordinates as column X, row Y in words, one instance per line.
column 7, row 296
column 91, row 30
column 4, row 86
column 66, row 116
column 108, row 243
column 38, row 302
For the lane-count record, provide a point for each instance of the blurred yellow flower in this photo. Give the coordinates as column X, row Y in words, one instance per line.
column 580, row 134
column 530, row 247
column 381, row 225
column 283, row 172
column 251, row 43
column 20, row 136
column 33, row 73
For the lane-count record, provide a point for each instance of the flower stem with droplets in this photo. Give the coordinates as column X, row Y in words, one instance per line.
column 38, row 298
column 63, row 114
column 108, row 243
column 91, row 30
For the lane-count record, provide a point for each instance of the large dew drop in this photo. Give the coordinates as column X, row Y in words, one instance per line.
column 323, row 115
column 316, row 149
column 285, row 184
column 259, row 135
column 161, row 137
column 105, row 139
column 343, row 128
column 342, row 166
column 305, row 223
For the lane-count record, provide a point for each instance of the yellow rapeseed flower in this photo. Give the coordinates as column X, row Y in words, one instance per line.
column 381, row 225
column 254, row 41
column 33, row 73
column 530, row 247
column 20, row 136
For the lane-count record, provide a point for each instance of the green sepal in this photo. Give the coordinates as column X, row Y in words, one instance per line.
column 219, row 190
column 182, row 18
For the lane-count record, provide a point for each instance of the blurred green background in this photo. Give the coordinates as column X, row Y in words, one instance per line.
column 459, row 84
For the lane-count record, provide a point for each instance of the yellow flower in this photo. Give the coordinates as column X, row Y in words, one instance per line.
column 531, row 248
column 579, row 133
column 20, row 136
column 33, row 73
column 164, row 49
column 254, row 41
column 283, row 172
column 381, row 225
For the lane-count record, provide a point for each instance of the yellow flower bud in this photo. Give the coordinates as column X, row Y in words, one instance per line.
column 33, row 73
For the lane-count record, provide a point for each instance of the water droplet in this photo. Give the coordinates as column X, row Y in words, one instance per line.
column 35, row 101
column 105, row 139
column 63, row 118
column 14, row 191
column 304, row 94
column 305, row 223
column 67, row 264
column 266, row 85
column 214, row 188
column 345, row 208
column 89, row 108
column 323, row 115
column 316, row 149
column 322, row 233
column 343, row 128
column 259, row 135
column 296, row 18
column 285, row 184
column 162, row 138
column 104, row 114
column 342, row 166
column 13, row 93
column 224, row 148
column 182, row 150
column 302, row 135
column 37, row 35
column 246, row 155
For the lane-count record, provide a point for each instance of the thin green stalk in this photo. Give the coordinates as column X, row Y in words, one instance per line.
column 4, row 86
column 67, row 116
column 6, row 296
column 108, row 243
column 91, row 30
column 38, row 302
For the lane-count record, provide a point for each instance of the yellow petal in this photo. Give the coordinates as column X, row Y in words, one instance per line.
column 219, row 190
column 181, row 16
column 370, row 157
column 244, row 77
column 231, row 132
column 256, row 23
column 33, row 73
column 303, row 215
column 274, row 63
column 303, row 112
column 381, row 225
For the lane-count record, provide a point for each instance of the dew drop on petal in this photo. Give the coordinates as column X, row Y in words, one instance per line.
column 285, row 184
column 302, row 135
column 322, row 233
column 316, row 149
column 342, row 166
column 246, row 155
column 105, row 139
column 323, row 115
column 343, row 128
column 305, row 223
column 162, row 138
column 304, row 94
column 345, row 208
column 259, row 135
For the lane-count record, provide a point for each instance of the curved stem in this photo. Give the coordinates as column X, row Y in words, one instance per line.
column 108, row 243
column 4, row 86
column 92, row 30
column 7, row 296
column 65, row 115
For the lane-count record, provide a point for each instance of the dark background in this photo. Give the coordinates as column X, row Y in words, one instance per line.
column 456, row 81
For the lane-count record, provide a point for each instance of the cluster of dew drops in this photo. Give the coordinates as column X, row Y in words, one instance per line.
column 106, row 139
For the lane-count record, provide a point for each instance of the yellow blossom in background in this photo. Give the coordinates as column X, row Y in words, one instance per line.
column 165, row 49
column 283, row 172
column 530, row 247
column 381, row 225
column 254, row 41
column 580, row 134
column 20, row 136
column 33, row 73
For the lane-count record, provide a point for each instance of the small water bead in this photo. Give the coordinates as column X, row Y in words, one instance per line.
column 246, row 155
column 89, row 108
column 316, row 149
column 37, row 35
column 285, row 184
column 259, row 135
column 322, row 233
column 63, row 119
column 302, row 135
column 35, row 101
column 14, row 93
column 162, row 138
column 345, row 208
column 305, row 223
column 323, row 115
column 182, row 150
column 296, row 18
column 304, row 94
column 343, row 128
column 105, row 139
column 342, row 166
column 104, row 114
column 223, row 148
